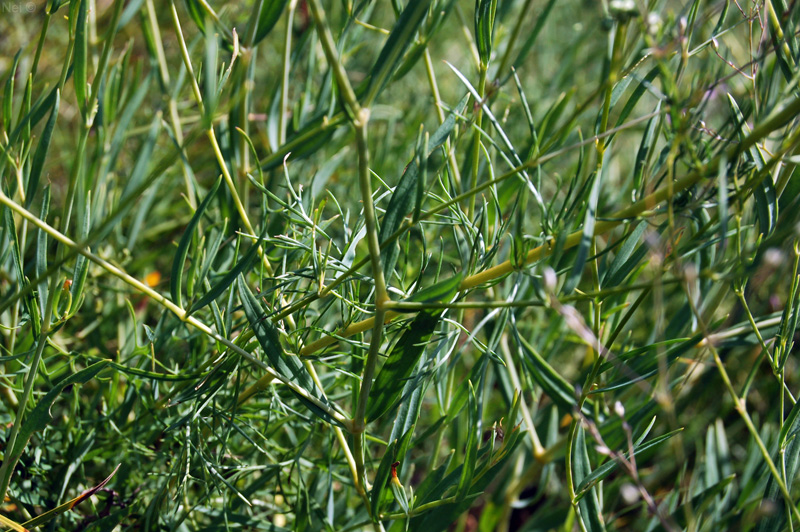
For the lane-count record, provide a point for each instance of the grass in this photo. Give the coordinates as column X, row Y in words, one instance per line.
column 441, row 265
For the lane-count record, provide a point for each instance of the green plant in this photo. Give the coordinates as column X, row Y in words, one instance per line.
column 362, row 265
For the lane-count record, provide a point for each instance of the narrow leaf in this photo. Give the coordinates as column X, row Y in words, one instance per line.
column 586, row 238
column 38, row 418
column 183, row 246
column 229, row 278
column 41, row 152
column 266, row 333
column 609, row 467
column 41, row 251
column 81, row 57
column 399, row 40
column 69, row 505
column 471, row 452
column 405, row 354
column 269, row 16
column 590, row 512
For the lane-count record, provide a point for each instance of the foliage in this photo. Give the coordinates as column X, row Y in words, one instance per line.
column 433, row 265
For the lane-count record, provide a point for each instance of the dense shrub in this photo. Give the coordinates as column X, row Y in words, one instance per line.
column 306, row 265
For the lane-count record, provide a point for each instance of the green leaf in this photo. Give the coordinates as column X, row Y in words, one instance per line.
column 49, row 515
column 407, row 191
column 647, row 147
column 41, row 153
column 609, row 467
column 290, row 367
column 645, row 367
column 556, row 387
column 485, row 11
column 198, row 11
column 700, row 502
column 590, row 511
column 410, row 404
column 766, row 205
column 443, row 291
column 80, row 72
column 791, row 426
column 81, row 263
column 400, row 38
column 41, row 251
column 382, row 478
column 471, row 451
column 38, row 418
column 397, row 369
column 626, row 260
column 183, row 246
column 270, row 14
column 8, row 95
column 587, row 237
column 224, row 283
column 29, row 301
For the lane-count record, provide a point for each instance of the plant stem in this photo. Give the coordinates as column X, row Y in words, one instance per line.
column 212, row 138
column 11, row 456
column 741, row 409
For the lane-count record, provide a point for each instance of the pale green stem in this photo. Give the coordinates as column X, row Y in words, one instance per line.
column 741, row 408
column 641, row 207
column 437, row 102
column 172, row 105
column 213, row 139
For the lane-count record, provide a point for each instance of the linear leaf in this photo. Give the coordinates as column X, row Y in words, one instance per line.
column 266, row 333
column 609, row 467
column 41, row 152
column 471, row 451
column 407, row 190
column 401, row 362
column 8, row 94
column 400, row 38
column 69, row 505
column 270, row 14
column 41, row 250
column 183, row 246
column 485, row 11
column 590, row 512
column 626, row 260
column 586, row 238
column 29, row 301
column 38, row 418
column 81, row 57
column 561, row 392
column 81, row 263
column 382, row 478
column 229, row 278
column 766, row 205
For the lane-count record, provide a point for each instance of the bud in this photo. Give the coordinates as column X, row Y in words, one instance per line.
column 398, row 490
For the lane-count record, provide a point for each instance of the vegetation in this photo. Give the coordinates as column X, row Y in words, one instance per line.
column 424, row 265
